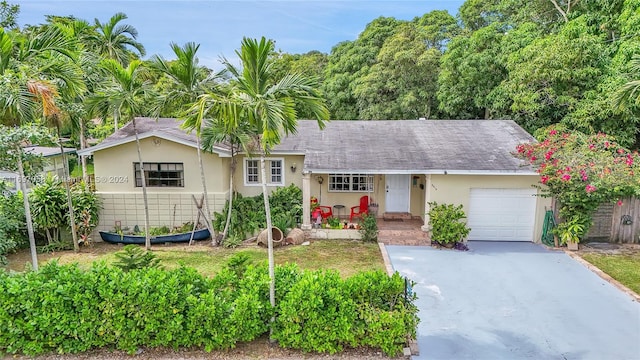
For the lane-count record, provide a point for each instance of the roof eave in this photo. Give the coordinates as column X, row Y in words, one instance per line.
column 155, row 133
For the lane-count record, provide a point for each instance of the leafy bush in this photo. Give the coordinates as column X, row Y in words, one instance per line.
column 368, row 228
column 324, row 313
column 133, row 257
column 64, row 309
column 12, row 220
column 86, row 208
column 445, row 223
column 334, row 222
column 49, row 207
column 247, row 215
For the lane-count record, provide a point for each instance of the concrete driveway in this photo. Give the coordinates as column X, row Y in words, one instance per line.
column 504, row 300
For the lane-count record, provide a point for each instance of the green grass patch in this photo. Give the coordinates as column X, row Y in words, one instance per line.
column 624, row 268
column 77, row 170
column 348, row 257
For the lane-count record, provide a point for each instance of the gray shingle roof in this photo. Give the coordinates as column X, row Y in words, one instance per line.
column 410, row 146
column 168, row 126
column 384, row 146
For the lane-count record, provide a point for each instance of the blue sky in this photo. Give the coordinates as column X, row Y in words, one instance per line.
column 219, row 26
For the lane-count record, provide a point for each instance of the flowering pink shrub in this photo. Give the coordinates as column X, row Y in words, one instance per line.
column 582, row 172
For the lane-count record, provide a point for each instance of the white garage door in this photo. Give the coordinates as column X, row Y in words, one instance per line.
column 502, row 214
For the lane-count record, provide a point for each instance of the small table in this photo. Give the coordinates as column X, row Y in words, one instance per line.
column 337, row 209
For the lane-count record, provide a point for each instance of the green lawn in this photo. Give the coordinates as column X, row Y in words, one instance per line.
column 346, row 256
column 624, row 268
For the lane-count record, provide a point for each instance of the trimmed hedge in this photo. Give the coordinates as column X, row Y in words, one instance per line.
column 64, row 309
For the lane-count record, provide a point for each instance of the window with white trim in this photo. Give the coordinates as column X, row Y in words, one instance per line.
column 350, row 183
column 274, row 168
column 160, row 174
column 252, row 172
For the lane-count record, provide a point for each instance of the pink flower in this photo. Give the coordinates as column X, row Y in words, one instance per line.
column 591, row 146
column 620, row 151
column 553, row 132
column 590, row 188
column 544, row 179
column 606, row 144
column 566, row 177
column 548, row 155
column 619, row 202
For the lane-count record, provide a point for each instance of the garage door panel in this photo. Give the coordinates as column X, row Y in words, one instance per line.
column 502, row 214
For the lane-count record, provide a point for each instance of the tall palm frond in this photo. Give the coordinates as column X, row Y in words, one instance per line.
column 629, row 93
column 117, row 40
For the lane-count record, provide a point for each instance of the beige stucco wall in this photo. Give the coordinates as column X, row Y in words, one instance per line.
column 455, row 189
column 114, row 167
column 171, row 206
column 417, row 196
column 289, row 177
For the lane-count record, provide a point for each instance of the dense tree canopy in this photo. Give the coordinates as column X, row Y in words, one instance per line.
column 540, row 62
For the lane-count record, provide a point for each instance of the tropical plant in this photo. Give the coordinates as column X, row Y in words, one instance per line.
column 14, row 158
column 122, row 95
column 334, row 222
column 132, row 257
column 86, row 205
column 12, row 220
column 267, row 105
column 444, row 220
column 48, row 202
column 186, row 81
column 116, row 41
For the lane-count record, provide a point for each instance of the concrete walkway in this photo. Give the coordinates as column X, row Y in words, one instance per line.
column 503, row 300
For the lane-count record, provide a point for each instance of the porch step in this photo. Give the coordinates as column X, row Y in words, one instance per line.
column 396, row 216
column 403, row 237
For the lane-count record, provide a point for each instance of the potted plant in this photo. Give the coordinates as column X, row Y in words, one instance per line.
column 446, row 227
column 334, row 222
column 569, row 232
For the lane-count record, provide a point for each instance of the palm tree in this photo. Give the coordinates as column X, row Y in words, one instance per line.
column 13, row 158
column 629, row 93
column 269, row 109
column 628, row 96
column 223, row 126
column 123, row 97
column 47, row 93
column 116, row 41
column 187, row 81
column 34, row 66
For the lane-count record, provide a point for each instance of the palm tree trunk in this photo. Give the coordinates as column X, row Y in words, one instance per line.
column 208, row 219
column 27, row 212
column 232, row 169
column 83, row 159
column 147, row 238
column 72, row 217
column 267, row 211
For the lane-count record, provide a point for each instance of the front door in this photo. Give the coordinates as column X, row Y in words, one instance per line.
column 397, row 198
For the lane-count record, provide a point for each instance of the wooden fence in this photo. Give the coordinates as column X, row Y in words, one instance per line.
column 617, row 223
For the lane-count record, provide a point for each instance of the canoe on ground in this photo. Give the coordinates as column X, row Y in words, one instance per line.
column 116, row 238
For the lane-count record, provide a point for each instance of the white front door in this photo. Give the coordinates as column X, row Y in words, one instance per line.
column 397, row 198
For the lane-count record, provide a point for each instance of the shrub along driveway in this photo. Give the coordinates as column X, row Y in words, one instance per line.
column 503, row 300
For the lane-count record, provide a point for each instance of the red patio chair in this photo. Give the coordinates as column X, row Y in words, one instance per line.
column 325, row 211
column 359, row 210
